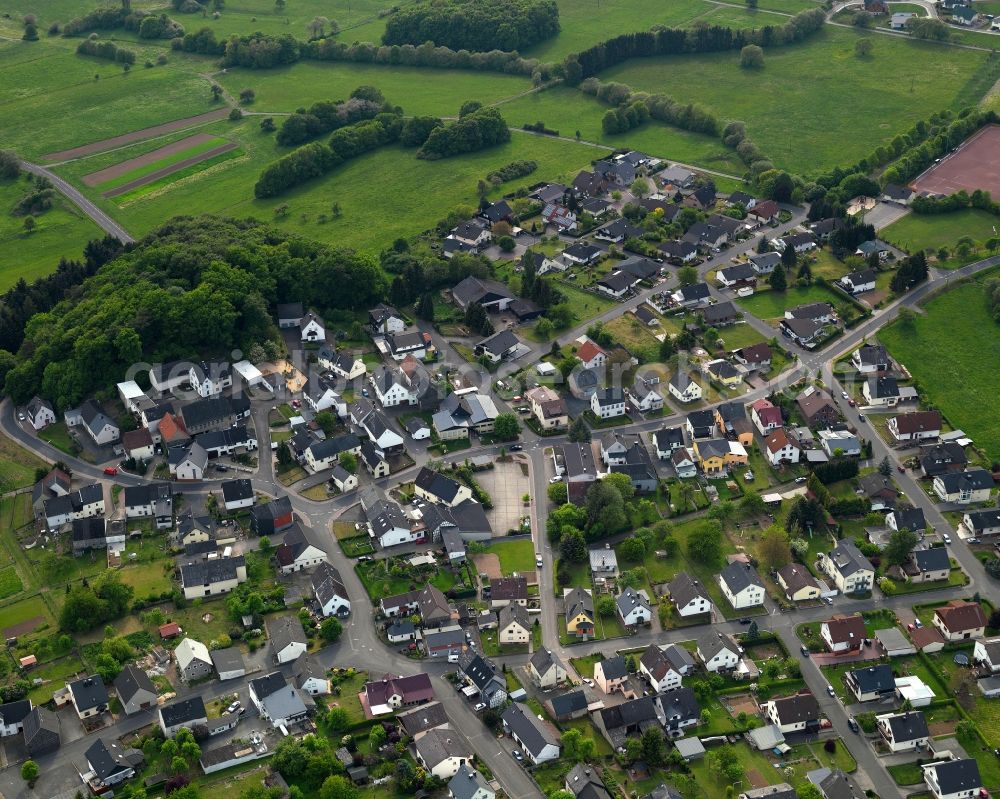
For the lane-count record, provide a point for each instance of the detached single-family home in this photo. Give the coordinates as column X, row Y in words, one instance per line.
column 741, row 585
column 688, row 596
column 871, row 358
column 110, row 764
column 579, row 610
column 859, row 282
column 633, row 609
column 328, row 588
column 545, row 669
column 903, row 732
column 871, row 683
column 779, row 448
column 12, row 716
column 964, row 488
column 608, row 403
column 915, row 427
column 881, row 391
column 953, row 779
column 441, row 752
column 469, row 784
column 793, row 713
column 392, row 693
column 537, row 739
column 765, row 415
column 277, row 701
column 237, row 494
column 296, row 553
column 611, row 674
column 287, row 636
column 986, row 653
column 514, row 625
column 798, row 583
column 310, row 676
column 683, row 388
column 718, row 651
column 848, row 567
column 311, row 328
column 498, row 347
column 755, row 358
column 193, row 660
column 843, row 633
column 40, row 413
column 959, row 620
column 982, row 522
column 665, row 667
column 212, row 576
column 89, row 696
column 183, row 713
column 135, row 690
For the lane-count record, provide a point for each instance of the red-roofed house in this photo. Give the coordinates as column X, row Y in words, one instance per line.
column 169, row 630
column 592, row 356
column 959, row 620
column 843, row 633
column 766, row 416
column 779, row 448
column 381, row 697
column 765, row 212
column 172, row 429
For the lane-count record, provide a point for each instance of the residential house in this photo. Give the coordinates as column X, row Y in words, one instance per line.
column 547, row 407
column 491, row 294
column 986, row 654
column 765, row 415
column 329, row 590
column 948, row 456
column 953, row 779
column 539, row 742
column 462, row 413
column 89, row 696
column 718, row 651
column 611, row 674
column 764, row 263
column 310, row 676
column 960, row 620
column 659, row 670
column 692, row 296
column 499, row 347
column 871, row 683
column 838, row 443
column 193, row 660
column 879, row 490
column 391, row 693
column 881, row 391
column 469, row 784
column 418, row 720
column 514, row 626
column 618, row 231
column 755, row 358
column 805, row 332
column 579, row 610
column 440, row 752
column 793, row 713
column 779, row 448
column 135, row 690
column 436, row 487
column 798, row 583
column 980, row 523
column 964, row 488
column 210, row 577
column 483, row 674
column 741, row 585
column 210, row 379
column 545, row 669
column 109, row 764
column 629, row 719
column 764, row 212
column 85, row 503
column 12, row 716
column 843, row 633
column 859, row 282
column 678, row 710
column 608, row 403
column 800, row 242
column 374, row 460
column 817, row 408
column 560, row 216
column 688, row 596
column 567, row 706
column 850, row 570
column 185, row 713
column 733, row 277
column 633, row 609
column 678, row 252
column 722, row 371
column 40, row 413
column 892, row 192
column 392, row 387
column 414, row 344
column 508, row 591
column 583, row 782
column 277, row 701
column 683, row 463
column 916, row 426
column 311, row 328
column 717, row 456
column 871, row 358
column 237, row 494
column 646, row 395
column 667, row 441
column 683, row 388
column 99, row 426
column 296, row 553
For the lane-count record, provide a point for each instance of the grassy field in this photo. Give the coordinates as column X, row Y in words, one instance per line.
column 951, row 351
column 929, row 232
column 635, row 337
column 773, row 304
column 859, row 109
column 422, row 191
column 515, row 556
column 17, row 465
column 166, row 181
column 60, row 232
column 59, row 103
column 417, row 90
column 569, row 110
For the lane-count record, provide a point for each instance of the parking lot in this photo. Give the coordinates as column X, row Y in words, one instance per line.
column 507, row 483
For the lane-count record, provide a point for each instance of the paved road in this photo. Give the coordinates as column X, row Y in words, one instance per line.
column 105, row 222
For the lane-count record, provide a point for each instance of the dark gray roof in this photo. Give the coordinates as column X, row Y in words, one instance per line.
column 966, row 481
column 228, row 659
column 38, row 722
column 437, row 745
column 983, row 519
column 874, row 678
column 285, row 631
column 711, row 643
column 132, row 680
column 467, row 782
column 572, row 702
column 696, row 291
column 632, row 712
column 585, row 783
column 531, row 732
column 909, row 519
column 614, row 668
column 235, row 490
column 739, row 575
column 849, row 559
column 437, row 484
column 269, row 684
column 908, row 726
column 327, row 583
column 796, row 709
column 108, row 760
column 88, row 692
column 206, row 572
column 932, row 560
column 958, row 775
column 14, row 712
column 473, row 289
column 186, row 711
column 680, row 705
column 334, row 446
column 422, row 718
column 628, row 600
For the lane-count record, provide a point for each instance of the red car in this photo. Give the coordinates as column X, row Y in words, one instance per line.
column 111, row 470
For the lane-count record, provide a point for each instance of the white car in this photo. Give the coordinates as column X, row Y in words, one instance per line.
column 480, row 706
column 555, row 479
column 844, row 395
column 946, row 538
column 538, row 561
column 589, row 681
column 233, row 707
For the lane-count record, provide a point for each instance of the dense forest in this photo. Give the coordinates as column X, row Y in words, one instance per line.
column 195, row 286
column 474, row 24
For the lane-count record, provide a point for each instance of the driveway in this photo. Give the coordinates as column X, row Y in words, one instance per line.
column 884, row 214
column 507, row 482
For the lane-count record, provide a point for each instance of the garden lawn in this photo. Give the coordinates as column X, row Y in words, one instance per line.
column 951, row 351
column 858, row 112
column 635, row 337
column 916, row 232
column 515, row 556
column 769, row 305
column 60, row 232
column 569, row 110
column 713, row 784
column 371, row 218
column 587, row 730
column 737, row 336
column 17, row 466
column 55, row 675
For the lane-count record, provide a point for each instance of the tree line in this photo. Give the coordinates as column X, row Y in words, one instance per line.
column 148, row 25
column 511, row 171
column 108, row 50
column 197, row 285
column 260, row 51
column 677, row 41
column 317, row 159
column 482, row 128
column 465, row 25
column 634, row 108
column 326, row 116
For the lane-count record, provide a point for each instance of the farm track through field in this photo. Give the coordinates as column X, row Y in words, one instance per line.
column 138, row 135
column 169, row 170
column 123, row 168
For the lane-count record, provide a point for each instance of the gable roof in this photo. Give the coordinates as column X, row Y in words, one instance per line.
column 184, row 711
column 739, row 576
column 959, row 615
column 848, row 559
column 132, row 680
column 88, row 692
column 284, row 631
column 614, row 668
column 874, row 678
column 957, row 775
column 533, row 734
column 422, row 718
column 846, row 629
column 796, row 709
column 712, row 643
column 910, row 726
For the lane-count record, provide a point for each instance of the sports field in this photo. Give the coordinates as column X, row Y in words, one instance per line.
column 976, row 165
column 952, row 352
column 816, row 104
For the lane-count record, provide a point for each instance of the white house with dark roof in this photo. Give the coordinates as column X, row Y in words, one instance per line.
column 537, row 739
column 953, row 779
column 287, row 637
column 903, row 732
column 545, row 669
column 329, row 590
column 135, row 690
column 964, row 488
column 633, row 609
column 683, row 388
column 850, row 570
column 795, row 713
column 608, row 403
column 183, row 713
column 718, row 651
column 741, row 585
column 40, row 413
column 689, row 596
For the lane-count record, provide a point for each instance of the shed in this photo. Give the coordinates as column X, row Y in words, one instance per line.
column 893, row 643
column 690, row 748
